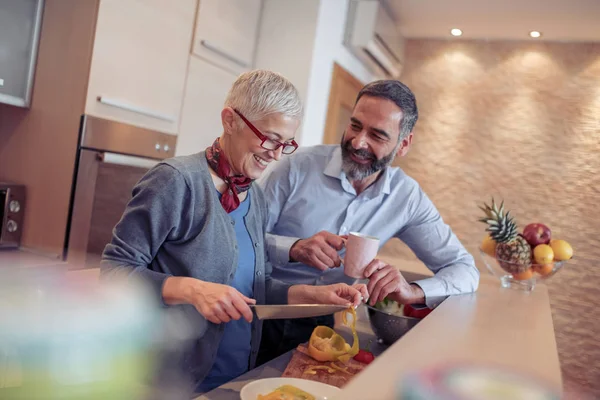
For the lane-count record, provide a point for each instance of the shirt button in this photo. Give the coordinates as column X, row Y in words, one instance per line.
column 322, row 278
column 232, row 222
column 259, row 273
column 256, row 244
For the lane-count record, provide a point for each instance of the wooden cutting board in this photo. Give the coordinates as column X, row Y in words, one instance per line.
column 301, row 361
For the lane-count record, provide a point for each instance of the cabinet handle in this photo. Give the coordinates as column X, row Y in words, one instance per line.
column 120, row 159
column 133, row 108
column 223, row 53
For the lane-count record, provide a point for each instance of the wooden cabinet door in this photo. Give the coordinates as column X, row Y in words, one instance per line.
column 206, row 89
column 226, row 32
column 342, row 96
column 139, row 62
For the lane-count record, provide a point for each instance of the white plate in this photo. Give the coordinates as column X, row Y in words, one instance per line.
column 321, row 391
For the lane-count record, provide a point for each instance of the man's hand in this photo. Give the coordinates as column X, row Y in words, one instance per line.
column 319, row 251
column 339, row 294
column 386, row 280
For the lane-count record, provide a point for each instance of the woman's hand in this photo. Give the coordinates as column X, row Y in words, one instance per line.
column 338, row 294
column 217, row 303
column 363, row 289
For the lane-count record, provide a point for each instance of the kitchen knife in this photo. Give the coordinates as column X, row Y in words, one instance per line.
column 273, row 311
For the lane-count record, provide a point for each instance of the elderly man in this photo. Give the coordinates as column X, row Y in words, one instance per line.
column 322, row 193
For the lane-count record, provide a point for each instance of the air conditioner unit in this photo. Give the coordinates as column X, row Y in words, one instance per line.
column 373, row 36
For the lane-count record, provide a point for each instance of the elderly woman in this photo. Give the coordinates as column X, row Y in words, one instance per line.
column 194, row 229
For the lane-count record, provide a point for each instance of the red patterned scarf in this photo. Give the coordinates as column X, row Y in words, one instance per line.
column 235, row 184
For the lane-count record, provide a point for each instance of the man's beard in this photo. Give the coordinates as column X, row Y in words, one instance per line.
column 357, row 172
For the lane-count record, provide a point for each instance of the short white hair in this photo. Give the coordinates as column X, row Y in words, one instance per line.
column 259, row 93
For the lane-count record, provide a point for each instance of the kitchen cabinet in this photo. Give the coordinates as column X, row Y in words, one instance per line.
column 226, row 32
column 139, row 62
column 206, row 89
column 20, row 25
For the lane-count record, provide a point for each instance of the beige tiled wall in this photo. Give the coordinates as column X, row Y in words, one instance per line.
column 519, row 121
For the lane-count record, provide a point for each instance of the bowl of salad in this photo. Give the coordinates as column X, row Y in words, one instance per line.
column 390, row 320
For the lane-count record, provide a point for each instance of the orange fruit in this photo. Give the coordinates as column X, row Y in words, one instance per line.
column 562, row 249
column 544, row 270
column 523, row 276
column 489, row 246
column 543, row 254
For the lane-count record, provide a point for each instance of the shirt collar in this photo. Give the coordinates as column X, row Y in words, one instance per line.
column 334, row 166
column 334, row 170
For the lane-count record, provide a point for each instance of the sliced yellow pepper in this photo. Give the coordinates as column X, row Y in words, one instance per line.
column 355, row 345
column 344, row 370
column 326, row 345
column 312, row 370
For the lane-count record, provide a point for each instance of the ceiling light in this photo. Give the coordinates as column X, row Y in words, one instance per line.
column 535, row 34
column 456, row 32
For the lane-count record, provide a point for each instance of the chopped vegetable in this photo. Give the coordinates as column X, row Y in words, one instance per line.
column 312, row 370
column 364, row 355
column 354, row 350
column 402, row 310
column 343, row 369
column 391, row 307
column 287, row 392
column 326, row 345
column 410, row 311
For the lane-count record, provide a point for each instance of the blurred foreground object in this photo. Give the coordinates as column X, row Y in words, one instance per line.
column 66, row 337
column 474, row 382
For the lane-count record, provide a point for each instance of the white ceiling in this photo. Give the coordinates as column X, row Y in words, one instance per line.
column 558, row 20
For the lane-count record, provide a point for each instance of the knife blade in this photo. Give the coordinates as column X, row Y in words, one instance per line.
column 290, row 311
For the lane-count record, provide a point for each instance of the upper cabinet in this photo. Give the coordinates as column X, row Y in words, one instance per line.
column 226, row 32
column 20, row 23
column 206, row 90
column 139, row 62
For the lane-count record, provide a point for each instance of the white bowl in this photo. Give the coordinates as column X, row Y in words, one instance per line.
column 320, row 391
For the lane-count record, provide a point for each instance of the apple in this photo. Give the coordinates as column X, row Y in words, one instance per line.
column 536, row 234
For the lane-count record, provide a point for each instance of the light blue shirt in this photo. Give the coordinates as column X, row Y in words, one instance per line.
column 233, row 353
column 308, row 192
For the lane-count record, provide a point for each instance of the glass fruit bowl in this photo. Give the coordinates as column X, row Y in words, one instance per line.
column 520, row 276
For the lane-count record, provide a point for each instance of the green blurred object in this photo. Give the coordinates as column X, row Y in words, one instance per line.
column 67, row 338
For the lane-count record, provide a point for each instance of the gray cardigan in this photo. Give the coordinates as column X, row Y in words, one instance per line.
column 174, row 225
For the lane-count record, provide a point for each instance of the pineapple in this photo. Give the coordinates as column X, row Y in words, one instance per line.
column 512, row 251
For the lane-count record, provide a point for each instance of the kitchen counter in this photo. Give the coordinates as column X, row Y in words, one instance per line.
column 496, row 326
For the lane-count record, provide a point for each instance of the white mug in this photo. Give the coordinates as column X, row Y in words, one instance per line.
column 360, row 251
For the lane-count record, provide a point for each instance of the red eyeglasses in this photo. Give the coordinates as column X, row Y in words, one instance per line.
column 269, row 144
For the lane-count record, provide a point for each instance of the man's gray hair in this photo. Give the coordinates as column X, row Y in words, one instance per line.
column 400, row 94
column 259, row 93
